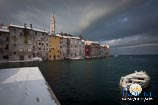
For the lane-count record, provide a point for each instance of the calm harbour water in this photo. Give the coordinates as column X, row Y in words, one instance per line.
column 94, row 81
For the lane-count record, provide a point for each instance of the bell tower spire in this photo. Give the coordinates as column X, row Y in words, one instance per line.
column 52, row 24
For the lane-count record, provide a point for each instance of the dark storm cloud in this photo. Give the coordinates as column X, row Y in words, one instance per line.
column 129, row 21
column 71, row 15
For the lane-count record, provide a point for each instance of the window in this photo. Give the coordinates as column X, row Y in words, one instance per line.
column 6, row 47
column 29, row 56
column 21, row 34
column 21, row 57
column 1, row 50
column 35, row 33
column 14, row 30
column 29, row 49
column 14, row 53
column 15, row 38
column 7, row 39
column 6, row 57
column 20, row 49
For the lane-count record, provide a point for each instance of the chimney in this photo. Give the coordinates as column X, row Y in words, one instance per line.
column 25, row 25
column 31, row 26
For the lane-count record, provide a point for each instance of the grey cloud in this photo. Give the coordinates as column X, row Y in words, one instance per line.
column 138, row 44
column 71, row 15
column 141, row 16
column 133, row 40
column 68, row 12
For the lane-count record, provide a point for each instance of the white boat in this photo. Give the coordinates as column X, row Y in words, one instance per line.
column 140, row 78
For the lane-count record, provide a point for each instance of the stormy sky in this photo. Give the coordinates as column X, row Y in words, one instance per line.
column 128, row 26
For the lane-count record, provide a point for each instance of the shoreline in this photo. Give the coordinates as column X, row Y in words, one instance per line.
column 23, row 61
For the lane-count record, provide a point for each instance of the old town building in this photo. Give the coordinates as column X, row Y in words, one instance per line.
column 27, row 43
column 95, row 50
column 95, row 47
column 64, row 38
column 102, row 51
column 4, row 44
column 65, row 46
column 107, row 50
column 76, row 48
column 41, row 44
column 92, row 49
column 87, row 49
column 21, row 43
column 54, row 48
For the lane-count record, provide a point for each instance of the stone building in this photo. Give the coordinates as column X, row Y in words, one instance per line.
column 63, row 45
column 41, row 44
column 87, row 49
column 27, row 43
column 94, row 49
column 76, row 48
column 4, row 44
column 107, row 49
column 82, row 48
column 21, row 43
column 58, row 47
column 102, row 51
column 54, row 48
column 69, row 47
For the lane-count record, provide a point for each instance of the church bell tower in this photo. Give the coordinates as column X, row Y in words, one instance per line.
column 52, row 25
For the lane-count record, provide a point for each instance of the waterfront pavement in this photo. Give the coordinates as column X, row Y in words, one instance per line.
column 25, row 86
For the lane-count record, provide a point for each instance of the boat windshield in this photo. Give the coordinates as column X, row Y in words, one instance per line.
column 140, row 78
column 130, row 81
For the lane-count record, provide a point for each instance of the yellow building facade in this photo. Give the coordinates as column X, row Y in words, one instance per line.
column 54, row 48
